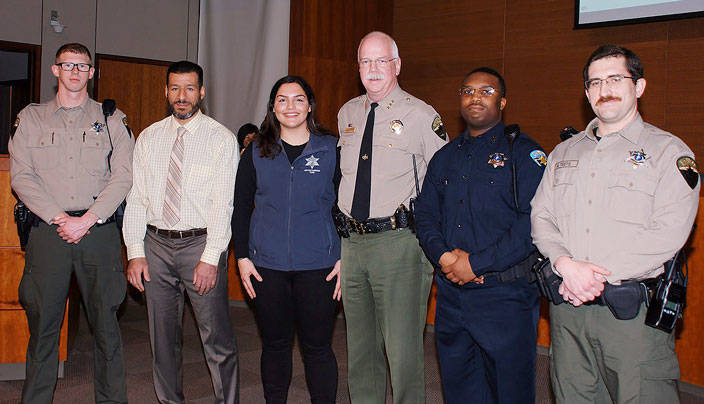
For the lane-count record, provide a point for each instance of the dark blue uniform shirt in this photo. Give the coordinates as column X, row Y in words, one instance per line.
column 467, row 200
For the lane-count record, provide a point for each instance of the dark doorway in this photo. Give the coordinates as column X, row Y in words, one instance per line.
column 19, row 84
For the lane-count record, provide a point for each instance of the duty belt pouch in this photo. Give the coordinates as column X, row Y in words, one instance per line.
column 340, row 222
column 402, row 217
column 547, row 280
column 624, row 301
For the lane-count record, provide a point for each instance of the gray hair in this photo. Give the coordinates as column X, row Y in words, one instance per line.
column 394, row 48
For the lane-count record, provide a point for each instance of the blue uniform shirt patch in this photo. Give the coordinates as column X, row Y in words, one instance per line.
column 539, row 157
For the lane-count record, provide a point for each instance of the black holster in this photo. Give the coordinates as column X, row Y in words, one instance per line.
column 25, row 220
column 547, row 280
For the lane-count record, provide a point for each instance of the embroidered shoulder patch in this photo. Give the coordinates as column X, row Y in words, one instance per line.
column 539, row 157
column 688, row 169
column 439, row 128
column 127, row 126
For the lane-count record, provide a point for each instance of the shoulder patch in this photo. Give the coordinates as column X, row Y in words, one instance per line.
column 688, row 169
column 539, row 157
column 439, row 128
column 127, row 126
column 14, row 127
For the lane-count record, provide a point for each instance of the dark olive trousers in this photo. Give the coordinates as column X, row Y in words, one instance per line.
column 97, row 263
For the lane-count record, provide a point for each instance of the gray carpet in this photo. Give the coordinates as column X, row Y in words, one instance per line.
column 77, row 386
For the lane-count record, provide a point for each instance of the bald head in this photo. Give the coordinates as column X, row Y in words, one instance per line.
column 383, row 37
column 379, row 64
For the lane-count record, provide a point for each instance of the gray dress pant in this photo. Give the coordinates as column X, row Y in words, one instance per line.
column 171, row 263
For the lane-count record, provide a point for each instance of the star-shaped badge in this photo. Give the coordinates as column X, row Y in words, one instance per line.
column 311, row 163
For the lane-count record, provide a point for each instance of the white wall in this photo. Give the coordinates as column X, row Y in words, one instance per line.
column 20, row 21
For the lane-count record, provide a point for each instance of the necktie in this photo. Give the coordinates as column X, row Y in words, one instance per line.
column 363, row 182
column 172, row 197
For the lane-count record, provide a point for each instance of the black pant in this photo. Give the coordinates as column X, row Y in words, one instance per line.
column 286, row 300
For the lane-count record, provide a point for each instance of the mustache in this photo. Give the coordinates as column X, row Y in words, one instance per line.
column 374, row 76
column 607, row 99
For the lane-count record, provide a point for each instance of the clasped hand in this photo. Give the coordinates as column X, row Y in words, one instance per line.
column 581, row 281
column 72, row 229
column 457, row 269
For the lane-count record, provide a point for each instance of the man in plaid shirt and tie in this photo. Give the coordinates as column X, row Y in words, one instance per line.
column 177, row 230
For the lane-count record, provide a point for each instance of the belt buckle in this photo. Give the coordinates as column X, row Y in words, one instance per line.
column 359, row 226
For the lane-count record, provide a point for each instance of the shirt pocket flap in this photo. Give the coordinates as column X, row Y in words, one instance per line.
column 640, row 183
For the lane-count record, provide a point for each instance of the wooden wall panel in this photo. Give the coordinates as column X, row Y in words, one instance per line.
column 14, row 333
column 323, row 42
column 137, row 86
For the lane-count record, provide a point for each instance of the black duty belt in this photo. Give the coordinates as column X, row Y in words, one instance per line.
column 177, row 233
column 376, row 225
column 519, row 271
column 79, row 213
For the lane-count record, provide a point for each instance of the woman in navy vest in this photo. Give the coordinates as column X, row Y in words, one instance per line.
column 286, row 240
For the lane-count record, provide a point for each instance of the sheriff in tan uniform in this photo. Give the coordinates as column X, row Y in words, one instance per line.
column 385, row 275
column 616, row 201
column 65, row 169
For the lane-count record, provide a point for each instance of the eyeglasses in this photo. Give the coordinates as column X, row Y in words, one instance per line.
column 614, row 79
column 68, row 66
column 483, row 92
column 381, row 62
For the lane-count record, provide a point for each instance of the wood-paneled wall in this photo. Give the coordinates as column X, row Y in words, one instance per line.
column 532, row 43
column 323, row 43
column 14, row 332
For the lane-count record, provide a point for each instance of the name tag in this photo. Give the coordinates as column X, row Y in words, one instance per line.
column 566, row 163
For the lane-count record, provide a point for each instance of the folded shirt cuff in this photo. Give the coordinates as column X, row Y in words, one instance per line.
column 135, row 251
column 211, row 256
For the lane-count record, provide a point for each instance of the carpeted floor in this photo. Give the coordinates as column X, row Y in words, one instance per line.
column 77, row 385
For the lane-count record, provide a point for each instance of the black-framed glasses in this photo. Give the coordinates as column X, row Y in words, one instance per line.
column 381, row 62
column 68, row 66
column 483, row 92
column 614, row 79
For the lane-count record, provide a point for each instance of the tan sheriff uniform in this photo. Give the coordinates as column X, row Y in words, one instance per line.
column 622, row 203
column 59, row 159
column 391, row 263
column 403, row 126
column 59, row 163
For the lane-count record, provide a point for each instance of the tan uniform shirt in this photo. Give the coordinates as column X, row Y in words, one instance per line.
column 403, row 126
column 620, row 202
column 59, row 159
column 209, row 168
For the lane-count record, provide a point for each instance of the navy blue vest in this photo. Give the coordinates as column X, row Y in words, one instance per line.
column 292, row 227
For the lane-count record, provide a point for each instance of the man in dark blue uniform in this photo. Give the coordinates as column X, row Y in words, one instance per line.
column 476, row 228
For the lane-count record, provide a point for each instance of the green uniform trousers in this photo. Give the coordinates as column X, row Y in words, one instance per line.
column 385, row 285
column 97, row 263
column 595, row 358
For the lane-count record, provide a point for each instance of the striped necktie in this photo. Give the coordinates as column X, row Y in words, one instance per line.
column 172, row 197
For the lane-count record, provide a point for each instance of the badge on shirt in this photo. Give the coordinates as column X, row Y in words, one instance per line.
column 14, row 127
column 396, row 126
column 637, row 158
column 439, row 128
column 97, row 126
column 688, row 169
column 539, row 157
column 311, row 163
column 349, row 128
column 497, row 160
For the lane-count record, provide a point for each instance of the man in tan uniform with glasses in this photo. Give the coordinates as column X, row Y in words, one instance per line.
column 72, row 167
